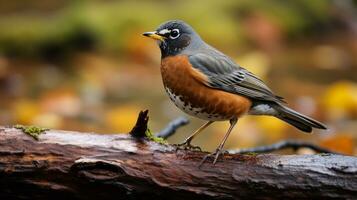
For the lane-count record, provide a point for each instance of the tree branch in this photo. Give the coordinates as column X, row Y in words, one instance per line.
column 171, row 128
column 92, row 166
column 73, row 165
column 285, row 144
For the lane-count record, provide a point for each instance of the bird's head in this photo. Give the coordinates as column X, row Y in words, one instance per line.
column 174, row 37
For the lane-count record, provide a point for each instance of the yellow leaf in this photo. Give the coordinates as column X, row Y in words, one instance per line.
column 272, row 126
column 340, row 99
column 25, row 111
column 122, row 118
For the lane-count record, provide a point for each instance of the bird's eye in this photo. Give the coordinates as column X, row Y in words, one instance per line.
column 175, row 33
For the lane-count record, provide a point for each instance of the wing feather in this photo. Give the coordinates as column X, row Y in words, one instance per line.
column 224, row 74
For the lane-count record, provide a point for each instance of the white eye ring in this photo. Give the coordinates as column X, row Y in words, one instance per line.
column 175, row 36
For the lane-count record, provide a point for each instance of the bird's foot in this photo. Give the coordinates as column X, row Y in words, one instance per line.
column 187, row 146
column 214, row 155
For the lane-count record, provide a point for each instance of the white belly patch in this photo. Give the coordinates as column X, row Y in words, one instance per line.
column 193, row 111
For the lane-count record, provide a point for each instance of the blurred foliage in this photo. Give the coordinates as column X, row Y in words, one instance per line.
column 105, row 24
column 84, row 65
column 341, row 100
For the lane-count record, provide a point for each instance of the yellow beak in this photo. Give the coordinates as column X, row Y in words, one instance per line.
column 154, row 35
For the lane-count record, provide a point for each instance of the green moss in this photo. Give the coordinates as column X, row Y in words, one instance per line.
column 33, row 131
column 152, row 137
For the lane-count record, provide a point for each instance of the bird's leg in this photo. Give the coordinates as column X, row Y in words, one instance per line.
column 219, row 150
column 187, row 143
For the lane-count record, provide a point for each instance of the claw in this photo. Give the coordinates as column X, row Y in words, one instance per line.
column 214, row 155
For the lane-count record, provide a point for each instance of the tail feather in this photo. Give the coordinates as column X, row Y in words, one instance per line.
column 298, row 120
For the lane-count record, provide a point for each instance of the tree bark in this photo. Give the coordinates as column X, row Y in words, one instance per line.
column 73, row 165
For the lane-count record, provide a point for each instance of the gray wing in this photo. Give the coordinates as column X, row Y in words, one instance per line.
column 224, row 74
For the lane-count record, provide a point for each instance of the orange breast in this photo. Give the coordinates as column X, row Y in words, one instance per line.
column 187, row 84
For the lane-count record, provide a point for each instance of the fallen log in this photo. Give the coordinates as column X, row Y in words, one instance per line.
column 74, row 165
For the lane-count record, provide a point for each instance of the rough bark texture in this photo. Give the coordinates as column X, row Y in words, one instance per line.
column 72, row 165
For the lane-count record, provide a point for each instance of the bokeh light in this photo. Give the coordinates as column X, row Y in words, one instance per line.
column 83, row 65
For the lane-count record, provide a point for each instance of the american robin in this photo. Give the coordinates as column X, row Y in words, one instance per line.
column 205, row 83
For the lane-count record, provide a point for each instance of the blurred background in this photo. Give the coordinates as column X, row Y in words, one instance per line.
column 84, row 65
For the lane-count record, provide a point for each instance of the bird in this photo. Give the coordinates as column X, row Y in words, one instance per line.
column 207, row 84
